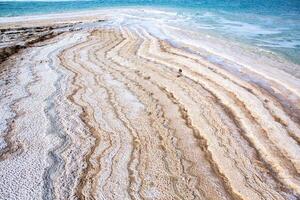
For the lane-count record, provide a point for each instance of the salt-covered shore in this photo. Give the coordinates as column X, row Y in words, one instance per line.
column 99, row 106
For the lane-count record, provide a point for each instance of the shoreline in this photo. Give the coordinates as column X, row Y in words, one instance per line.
column 48, row 19
column 214, row 48
column 118, row 107
column 80, row 13
column 106, row 13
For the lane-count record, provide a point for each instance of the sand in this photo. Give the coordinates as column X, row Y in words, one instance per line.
column 116, row 112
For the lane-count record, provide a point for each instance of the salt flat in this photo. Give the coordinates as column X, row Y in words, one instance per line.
column 96, row 107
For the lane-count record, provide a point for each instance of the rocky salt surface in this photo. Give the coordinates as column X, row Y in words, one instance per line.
column 105, row 110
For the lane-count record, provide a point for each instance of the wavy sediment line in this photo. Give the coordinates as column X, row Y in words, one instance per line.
column 274, row 105
column 84, row 116
column 136, row 141
column 14, row 147
column 113, row 56
column 126, row 115
column 205, row 83
column 261, row 90
column 145, row 77
column 57, row 161
column 164, row 149
column 87, row 172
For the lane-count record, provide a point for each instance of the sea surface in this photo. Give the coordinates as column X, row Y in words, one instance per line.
column 273, row 25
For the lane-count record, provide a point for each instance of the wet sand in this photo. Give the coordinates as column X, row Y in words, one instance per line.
column 119, row 113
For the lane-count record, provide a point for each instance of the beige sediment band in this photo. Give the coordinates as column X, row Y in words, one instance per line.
column 117, row 113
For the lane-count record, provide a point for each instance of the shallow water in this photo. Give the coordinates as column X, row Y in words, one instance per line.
column 272, row 25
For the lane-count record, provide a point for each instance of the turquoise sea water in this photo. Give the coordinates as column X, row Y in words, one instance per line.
column 271, row 24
